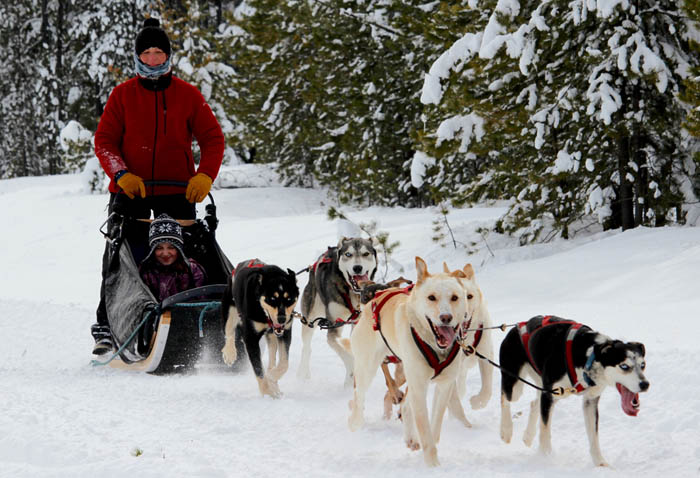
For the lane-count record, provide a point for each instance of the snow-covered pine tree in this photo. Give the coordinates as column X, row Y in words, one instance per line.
column 200, row 38
column 16, row 146
column 692, row 93
column 595, row 100
column 271, row 47
column 335, row 82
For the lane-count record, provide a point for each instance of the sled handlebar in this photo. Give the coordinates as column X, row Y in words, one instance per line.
column 210, row 208
column 179, row 184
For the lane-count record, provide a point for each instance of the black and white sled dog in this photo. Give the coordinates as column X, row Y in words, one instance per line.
column 259, row 299
column 333, row 293
column 565, row 356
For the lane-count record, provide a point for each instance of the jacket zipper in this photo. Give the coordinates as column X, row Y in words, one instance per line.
column 155, row 141
column 165, row 117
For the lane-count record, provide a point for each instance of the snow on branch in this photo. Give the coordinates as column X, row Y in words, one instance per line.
column 470, row 126
column 419, row 165
column 452, row 60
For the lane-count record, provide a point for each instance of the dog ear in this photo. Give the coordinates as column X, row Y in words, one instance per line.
column 341, row 240
column 638, row 347
column 292, row 274
column 445, row 269
column 610, row 352
column 468, row 271
column 421, row 270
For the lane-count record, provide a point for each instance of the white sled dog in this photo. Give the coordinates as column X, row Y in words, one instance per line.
column 332, row 296
column 419, row 325
column 560, row 353
column 475, row 336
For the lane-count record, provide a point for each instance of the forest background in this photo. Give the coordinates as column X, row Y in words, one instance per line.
column 577, row 115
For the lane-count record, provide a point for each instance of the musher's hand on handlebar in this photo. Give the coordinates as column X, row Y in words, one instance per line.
column 132, row 185
column 198, row 187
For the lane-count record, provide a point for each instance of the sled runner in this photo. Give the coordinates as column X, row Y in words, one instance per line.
column 183, row 330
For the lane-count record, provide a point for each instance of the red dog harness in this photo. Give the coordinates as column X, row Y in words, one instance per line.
column 574, row 327
column 324, row 259
column 253, row 263
column 432, row 357
column 354, row 313
column 380, row 300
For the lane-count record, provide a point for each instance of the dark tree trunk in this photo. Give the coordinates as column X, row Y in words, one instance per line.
column 626, row 192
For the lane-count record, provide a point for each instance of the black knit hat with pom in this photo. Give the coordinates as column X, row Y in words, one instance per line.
column 152, row 36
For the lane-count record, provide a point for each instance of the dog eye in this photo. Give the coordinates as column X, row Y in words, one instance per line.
column 624, row 367
column 644, row 365
column 431, row 298
column 470, row 296
column 347, row 254
column 366, row 254
column 455, row 298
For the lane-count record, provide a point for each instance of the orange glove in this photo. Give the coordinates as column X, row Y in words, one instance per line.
column 132, row 185
column 198, row 187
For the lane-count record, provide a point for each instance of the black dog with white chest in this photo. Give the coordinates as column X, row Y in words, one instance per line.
column 564, row 357
column 259, row 300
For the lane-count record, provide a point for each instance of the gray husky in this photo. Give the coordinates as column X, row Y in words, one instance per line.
column 331, row 298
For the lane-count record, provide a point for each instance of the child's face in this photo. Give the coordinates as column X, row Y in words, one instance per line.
column 166, row 253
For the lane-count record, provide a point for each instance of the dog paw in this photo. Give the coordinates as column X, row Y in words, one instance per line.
column 303, row 374
column 269, row 387
column 229, row 354
column 507, row 434
column 478, row 401
column 430, row 457
column 355, row 421
column 412, row 444
column 465, row 422
column 528, row 438
column 545, row 449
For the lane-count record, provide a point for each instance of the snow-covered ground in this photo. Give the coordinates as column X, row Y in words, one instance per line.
column 62, row 417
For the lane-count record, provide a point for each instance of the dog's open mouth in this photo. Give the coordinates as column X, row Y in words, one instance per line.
column 357, row 280
column 278, row 329
column 630, row 401
column 444, row 334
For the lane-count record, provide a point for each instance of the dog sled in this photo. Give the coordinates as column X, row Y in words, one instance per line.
column 185, row 329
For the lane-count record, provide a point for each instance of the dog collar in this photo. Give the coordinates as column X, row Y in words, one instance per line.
column 464, row 330
column 587, row 368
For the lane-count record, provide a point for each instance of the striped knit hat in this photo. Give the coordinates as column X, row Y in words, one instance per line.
column 165, row 229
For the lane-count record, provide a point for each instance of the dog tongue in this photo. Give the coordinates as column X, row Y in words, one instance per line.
column 359, row 278
column 445, row 335
column 630, row 401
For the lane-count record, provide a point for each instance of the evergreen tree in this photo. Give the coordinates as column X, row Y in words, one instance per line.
column 692, row 93
column 200, row 37
column 331, row 93
column 589, row 95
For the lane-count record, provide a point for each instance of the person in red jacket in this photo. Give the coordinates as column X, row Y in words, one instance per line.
column 145, row 134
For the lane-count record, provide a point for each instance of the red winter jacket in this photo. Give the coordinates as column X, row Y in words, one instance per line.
column 149, row 133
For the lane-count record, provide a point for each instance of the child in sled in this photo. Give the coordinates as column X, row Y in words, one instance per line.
column 165, row 269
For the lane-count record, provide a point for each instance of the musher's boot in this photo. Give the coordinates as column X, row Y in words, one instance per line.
column 103, row 339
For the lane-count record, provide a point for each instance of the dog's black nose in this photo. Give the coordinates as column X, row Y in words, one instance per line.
column 445, row 318
column 357, row 269
column 281, row 319
column 644, row 386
